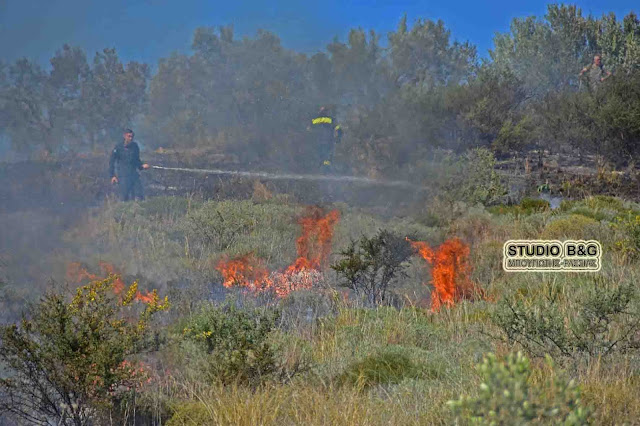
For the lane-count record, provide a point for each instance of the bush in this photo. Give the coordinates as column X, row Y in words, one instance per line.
column 574, row 226
column 601, row 322
column 597, row 207
column 232, row 343
column 306, row 306
column 370, row 266
column 239, row 227
column 387, row 367
column 534, row 205
column 629, row 243
column 219, row 224
column 604, row 202
column 507, row 397
column 191, row 414
column 68, row 363
column 526, row 207
column 472, row 179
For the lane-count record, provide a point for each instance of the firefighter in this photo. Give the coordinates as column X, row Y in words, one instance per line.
column 595, row 72
column 328, row 134
column 126, row 155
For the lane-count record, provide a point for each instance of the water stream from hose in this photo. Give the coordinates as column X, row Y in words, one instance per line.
column 278, row 176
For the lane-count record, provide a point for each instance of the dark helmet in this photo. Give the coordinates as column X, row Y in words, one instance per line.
column 324, row 110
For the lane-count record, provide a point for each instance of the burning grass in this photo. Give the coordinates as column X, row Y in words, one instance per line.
column 443, row 348
column 449, row 273
column 313, row 247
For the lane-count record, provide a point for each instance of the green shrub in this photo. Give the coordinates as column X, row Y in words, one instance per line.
column 628, row 227
column 531, row 205
column 566, row 205
column 598, row 215
column 232, row 343
column 574, row 226
column 526, row 207
column 597, row 207
column 487, row 262
column 219, row 224
column 387, row 367
column 69, row 362
column 459, row 182
column 598, row 202
column 507, row 397
column 368, row 267
column 472, row 179
column 168, row 207
column 602, row 321
column 238, row 227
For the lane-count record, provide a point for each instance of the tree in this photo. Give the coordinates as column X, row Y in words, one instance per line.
column 69, row 362
column 73, row 106
column 245, row 97
column 25, row 97
column 424, row 56
column 547, row 54
column 493, row 106
column 70, row 71
column 112, row 96
column 357, row 68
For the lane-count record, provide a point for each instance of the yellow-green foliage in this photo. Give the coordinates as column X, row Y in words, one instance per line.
column 70, row 359
column 387, row 365
column 238, row 227
column 506, row 396
column 574, row 226
column 603, row 202
column 486, row 263
column 191, row 414
column 526, row 207
column 381, row 368
column 614, row 390
column 628, row 231
column 296, row 404
column 597, row 207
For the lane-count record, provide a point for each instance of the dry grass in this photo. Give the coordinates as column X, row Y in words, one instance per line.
column 152, row 240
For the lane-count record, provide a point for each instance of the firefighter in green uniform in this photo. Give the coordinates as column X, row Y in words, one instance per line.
column 595, row 72
column 328, row 133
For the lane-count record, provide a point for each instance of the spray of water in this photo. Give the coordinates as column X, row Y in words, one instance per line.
column 277, row 176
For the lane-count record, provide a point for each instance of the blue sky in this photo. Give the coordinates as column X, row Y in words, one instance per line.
column 146, row 30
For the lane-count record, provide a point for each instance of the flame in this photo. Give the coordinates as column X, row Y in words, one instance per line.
column 246, row 271
column 76, row 274
column 449, row 273
column 319, row 229
column 313, row 247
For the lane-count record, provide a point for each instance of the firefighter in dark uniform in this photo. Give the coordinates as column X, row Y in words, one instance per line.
column 328, row 134
column 126, row 156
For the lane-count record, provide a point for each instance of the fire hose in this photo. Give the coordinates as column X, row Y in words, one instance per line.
column 275, row 176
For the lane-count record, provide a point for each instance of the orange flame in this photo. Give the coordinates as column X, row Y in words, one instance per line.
column 315, row 225
column 76, row 274
column 450, row 272
column 247, row 271
column 313, row 246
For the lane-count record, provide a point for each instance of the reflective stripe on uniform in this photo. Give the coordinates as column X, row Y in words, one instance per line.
column 322, row 120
